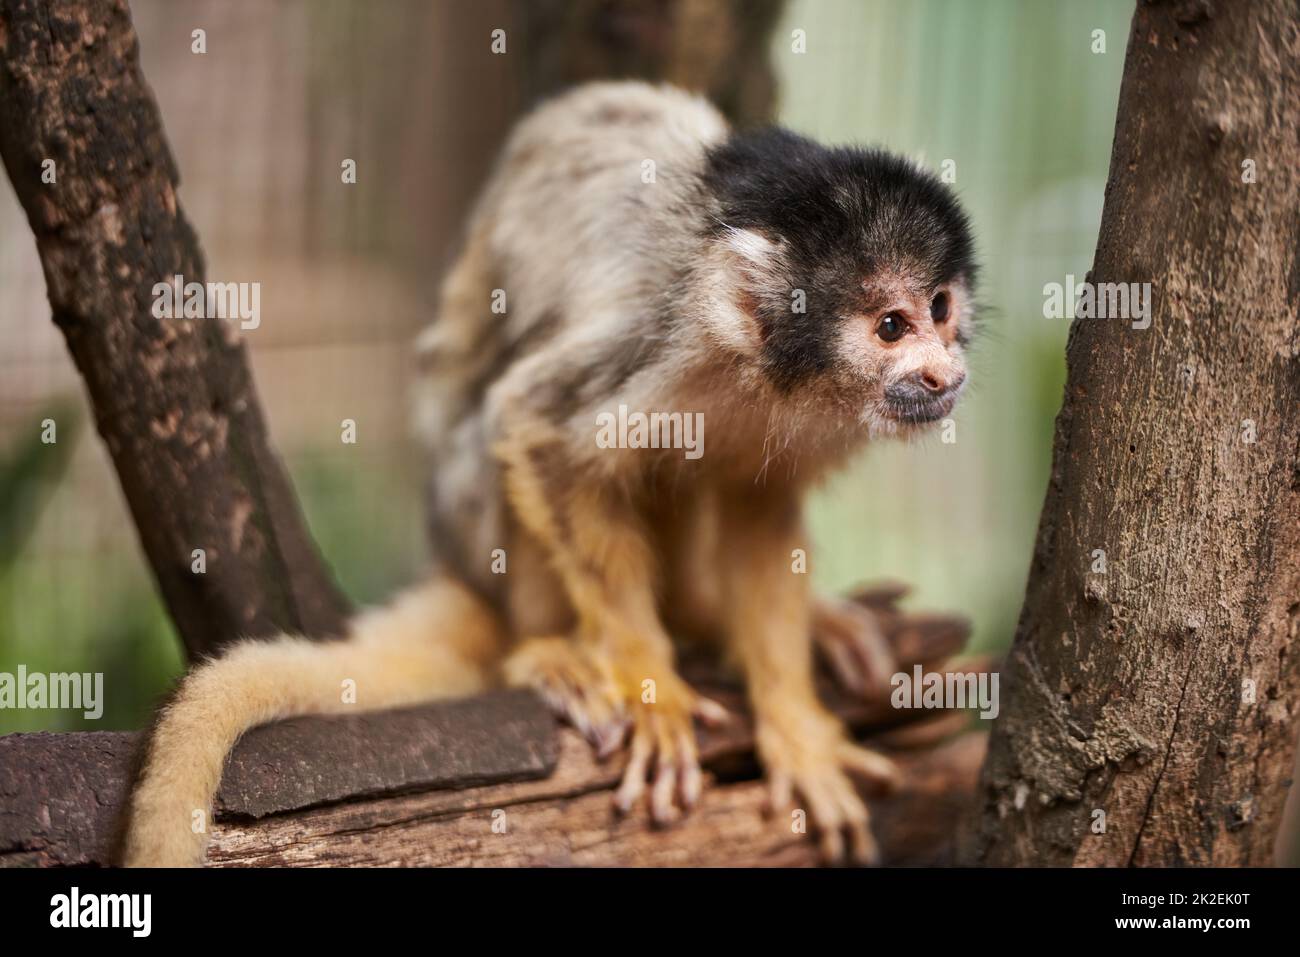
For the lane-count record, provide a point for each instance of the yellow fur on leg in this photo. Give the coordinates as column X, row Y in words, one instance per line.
column 805, row 749
column 594, row 533
column 439, row 641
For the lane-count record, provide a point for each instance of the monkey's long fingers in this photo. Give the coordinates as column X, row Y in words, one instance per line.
column 872, row 767
column 855, row 820
column 871, row 646
column 575, row 686
column 780, row 791
column 854, row 644
column 839, row 816
column 825, row 813
column 692, row 779
column 633, row 785
column 845, row 664
column 710, row 712
column 667, row 766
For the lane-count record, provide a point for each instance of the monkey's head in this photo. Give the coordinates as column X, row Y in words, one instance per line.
column 850, row 273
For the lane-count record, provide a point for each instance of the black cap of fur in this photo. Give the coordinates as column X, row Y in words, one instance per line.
column 843, row 214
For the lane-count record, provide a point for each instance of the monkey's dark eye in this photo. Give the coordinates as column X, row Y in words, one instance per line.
column 891, row 328
column 939, row 307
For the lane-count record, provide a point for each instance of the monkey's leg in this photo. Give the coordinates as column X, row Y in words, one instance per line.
column 686, row 521
column 849, row 636
column 602, row 551
column 804, row 748
column 574, row 679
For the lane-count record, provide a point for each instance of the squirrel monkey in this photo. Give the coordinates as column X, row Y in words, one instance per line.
column 630, row 252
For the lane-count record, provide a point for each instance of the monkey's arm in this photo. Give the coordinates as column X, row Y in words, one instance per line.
column 768, row 619
column 596, row 539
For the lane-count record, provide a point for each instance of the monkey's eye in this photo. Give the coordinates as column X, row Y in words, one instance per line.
column 891, row 328
column 939, row 308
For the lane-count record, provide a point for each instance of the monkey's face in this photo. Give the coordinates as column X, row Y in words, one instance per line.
column 900, row 358
column 851, row 273
column 867, row 341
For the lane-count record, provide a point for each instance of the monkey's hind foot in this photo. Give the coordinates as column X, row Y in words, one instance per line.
column 578, row 685
column 850, row 638
column 808, row 755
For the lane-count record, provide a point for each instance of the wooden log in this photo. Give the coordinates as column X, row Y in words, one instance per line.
column 568, row 820
column 414, row 786
column 62, row 796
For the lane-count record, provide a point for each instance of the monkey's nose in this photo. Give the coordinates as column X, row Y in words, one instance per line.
column 927, row 387
column 937, row 385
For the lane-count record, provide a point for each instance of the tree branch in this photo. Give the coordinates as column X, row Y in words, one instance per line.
column 173, row 399
column 420, row 785
column 719, row 48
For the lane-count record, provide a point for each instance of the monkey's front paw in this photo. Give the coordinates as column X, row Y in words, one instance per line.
column 577, row 682
column 850, row 638
column 662, row 748
column 807, row 753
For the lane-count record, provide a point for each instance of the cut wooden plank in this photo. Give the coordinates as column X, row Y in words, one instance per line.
column 303, row 762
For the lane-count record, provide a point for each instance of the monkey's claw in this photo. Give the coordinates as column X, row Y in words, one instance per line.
column 577, row 684
column 850, row 638
column 808, row 757
column 663, row 756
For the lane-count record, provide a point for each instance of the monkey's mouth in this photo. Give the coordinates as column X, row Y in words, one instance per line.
column 920, row 411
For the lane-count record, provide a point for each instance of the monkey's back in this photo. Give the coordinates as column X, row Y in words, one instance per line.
column 579, row 231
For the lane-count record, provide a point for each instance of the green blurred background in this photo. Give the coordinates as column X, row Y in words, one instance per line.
column 1010, row 90
column 1013, row 94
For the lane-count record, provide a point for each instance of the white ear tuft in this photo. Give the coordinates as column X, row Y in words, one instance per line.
column 755, row 248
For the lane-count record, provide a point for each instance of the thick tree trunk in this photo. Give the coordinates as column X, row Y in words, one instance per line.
column 1157, row 684
column 173, row 398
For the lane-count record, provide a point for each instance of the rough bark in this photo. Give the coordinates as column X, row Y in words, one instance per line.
column 557, row 809
column 716, row 47
column 173, row 398
column 63, row 796
column 1163, row 690
column 566, row 821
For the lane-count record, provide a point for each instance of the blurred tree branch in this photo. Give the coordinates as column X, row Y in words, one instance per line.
column 716, row 47
column 1156, row 668
column 173, row 399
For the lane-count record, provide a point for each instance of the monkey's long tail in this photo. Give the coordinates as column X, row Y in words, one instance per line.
column 437, row 641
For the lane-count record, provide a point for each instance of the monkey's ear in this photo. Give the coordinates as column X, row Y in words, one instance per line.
column 757, row 253
column 746, row 270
